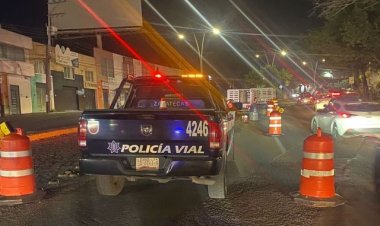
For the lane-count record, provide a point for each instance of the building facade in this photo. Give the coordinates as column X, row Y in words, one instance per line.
column 105, row 71
column 78, row 82
column 38, row 81
column 16, row 73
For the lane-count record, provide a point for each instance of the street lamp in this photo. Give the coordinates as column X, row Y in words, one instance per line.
column 181, row 36
column 215, row 31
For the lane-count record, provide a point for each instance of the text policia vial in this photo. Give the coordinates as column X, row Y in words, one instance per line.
column 162, row 149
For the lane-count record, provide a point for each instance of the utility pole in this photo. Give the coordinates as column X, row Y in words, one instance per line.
column 47, row 63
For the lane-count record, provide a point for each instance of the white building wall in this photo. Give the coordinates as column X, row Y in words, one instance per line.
column 118, row 76
column 15, row 39
column 137, row 67
column 25, row 92
column 118, row 71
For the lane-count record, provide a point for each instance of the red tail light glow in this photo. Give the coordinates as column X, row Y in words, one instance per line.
column 82, row 130
column 215, row 136
column 345, row 115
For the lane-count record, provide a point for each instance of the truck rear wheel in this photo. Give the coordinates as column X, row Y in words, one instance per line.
column 109, row 185
column 219, row 189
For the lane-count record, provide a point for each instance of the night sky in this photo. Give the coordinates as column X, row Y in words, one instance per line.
column 277, row 17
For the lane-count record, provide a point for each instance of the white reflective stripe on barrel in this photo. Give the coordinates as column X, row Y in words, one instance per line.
column 275, row 118
column 275, row 125
column 270, row 106
column 15, row 154
column 309, row 155
column 315, row 173
column 16, row 173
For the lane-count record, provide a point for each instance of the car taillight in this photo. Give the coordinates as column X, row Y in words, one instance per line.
column 215, row 136
column 82, row 130
column 346, row 115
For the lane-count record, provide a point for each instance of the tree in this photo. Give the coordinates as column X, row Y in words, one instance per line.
column 330, row 8
column 352, row 31
column 255, row 79
column 268, row 76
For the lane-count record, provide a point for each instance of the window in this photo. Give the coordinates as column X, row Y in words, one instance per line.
column 39, row 67
column 68, row 73
column 149, row 96
column 89, row 76
column 12, row 52
column 107, row 67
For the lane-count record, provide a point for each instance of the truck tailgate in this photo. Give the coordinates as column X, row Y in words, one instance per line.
column 144, row 133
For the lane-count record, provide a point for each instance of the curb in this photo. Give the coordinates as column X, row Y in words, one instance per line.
column 52, row 133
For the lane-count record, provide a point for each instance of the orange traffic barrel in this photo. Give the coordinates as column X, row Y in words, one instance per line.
column 317, row 173
column 317, row 188
column 16, row 166
column 270, row 107
column 274, row 123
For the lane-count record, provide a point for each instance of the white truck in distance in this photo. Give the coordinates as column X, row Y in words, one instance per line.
column 249, row 96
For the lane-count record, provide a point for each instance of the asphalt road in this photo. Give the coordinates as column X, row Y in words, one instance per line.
column 266, row 169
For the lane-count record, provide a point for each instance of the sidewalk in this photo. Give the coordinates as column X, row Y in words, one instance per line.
column 44, row 125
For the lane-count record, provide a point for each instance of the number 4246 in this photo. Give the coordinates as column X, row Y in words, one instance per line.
column 197, row 128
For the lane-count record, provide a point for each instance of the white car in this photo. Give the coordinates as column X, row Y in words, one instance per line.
column 344, row 118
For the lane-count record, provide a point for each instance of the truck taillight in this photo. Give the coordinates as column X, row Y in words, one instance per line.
column 215, row 136
column 82, row 130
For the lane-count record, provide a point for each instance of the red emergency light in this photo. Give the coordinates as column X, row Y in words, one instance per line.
column 158, row 75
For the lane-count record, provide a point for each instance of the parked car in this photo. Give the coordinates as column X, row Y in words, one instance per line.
column 305, row 98
column 343, row 117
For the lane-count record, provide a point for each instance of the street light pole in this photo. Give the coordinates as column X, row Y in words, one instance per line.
column 200, row 50
column 200, row 46
column 47, row 64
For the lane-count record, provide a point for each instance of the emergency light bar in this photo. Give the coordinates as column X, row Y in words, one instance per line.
column 192, row 76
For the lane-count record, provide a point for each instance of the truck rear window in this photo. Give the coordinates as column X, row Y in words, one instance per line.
column 187, row 96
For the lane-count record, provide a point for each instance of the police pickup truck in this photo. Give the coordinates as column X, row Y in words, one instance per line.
column 168, row 128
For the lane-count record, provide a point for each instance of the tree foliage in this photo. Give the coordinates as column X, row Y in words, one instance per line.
column 255, row 79
column 268, row 76
column 350, row 35
column 330, row 8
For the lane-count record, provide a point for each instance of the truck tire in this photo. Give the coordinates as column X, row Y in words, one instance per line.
column 219, row 189
column 109, row 185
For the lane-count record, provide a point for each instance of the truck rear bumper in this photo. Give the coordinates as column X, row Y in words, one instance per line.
column 171, row 168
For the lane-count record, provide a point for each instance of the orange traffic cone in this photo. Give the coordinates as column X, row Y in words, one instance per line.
column 274, row 124
column 317, row 174
column 17, row 182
